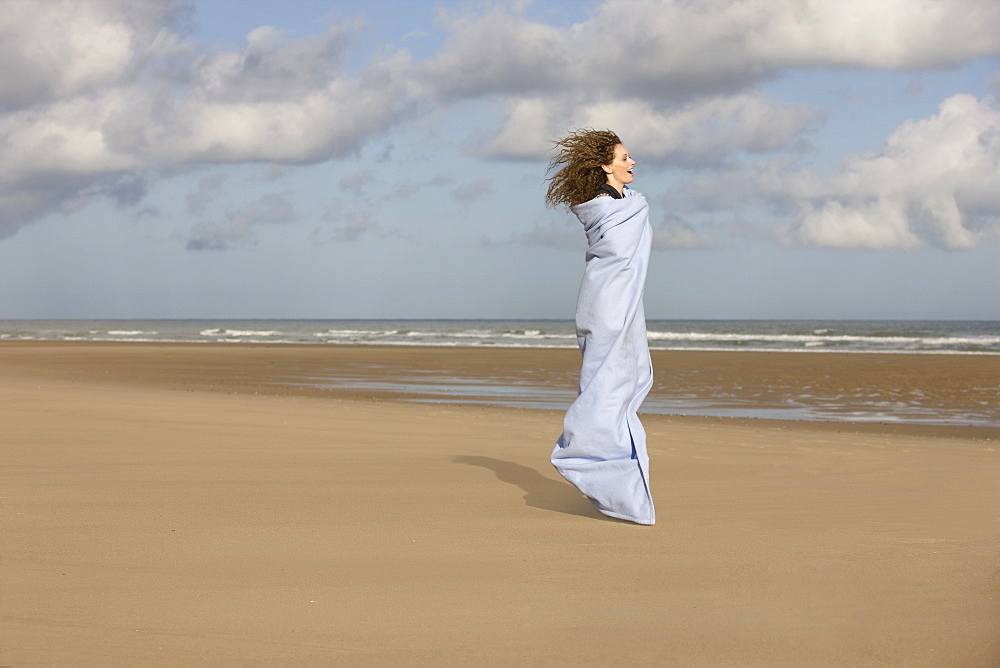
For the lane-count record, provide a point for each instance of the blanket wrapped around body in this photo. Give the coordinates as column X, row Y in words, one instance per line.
column 602, row 450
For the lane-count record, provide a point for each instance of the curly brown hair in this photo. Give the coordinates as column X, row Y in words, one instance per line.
column 578, row 158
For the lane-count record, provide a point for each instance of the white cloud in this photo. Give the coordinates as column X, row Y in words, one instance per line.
column 64, row 47
column 530, row 125
column 702, row 132
column 65, row 137
column 299, row 127
column 933, row 181
column 110, row 90
column 498, row 52
column 699, row 133
column 876, row 225
column 271, row 66
column 673, row 49
column 885, row 34
column 279, row 99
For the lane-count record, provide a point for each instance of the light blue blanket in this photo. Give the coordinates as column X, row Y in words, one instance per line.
column 602, row 450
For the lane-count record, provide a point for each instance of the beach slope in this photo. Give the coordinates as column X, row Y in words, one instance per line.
column 182, row 512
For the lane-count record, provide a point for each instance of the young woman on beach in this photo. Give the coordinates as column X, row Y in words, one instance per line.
column 602, row 450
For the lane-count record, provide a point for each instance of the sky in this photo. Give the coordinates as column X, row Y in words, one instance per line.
column 803, row 159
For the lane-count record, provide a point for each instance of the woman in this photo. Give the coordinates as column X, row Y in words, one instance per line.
column 602, row 450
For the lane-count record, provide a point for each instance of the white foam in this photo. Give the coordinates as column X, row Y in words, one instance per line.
column 343, row 333
column 250, row 332
column 529, row 334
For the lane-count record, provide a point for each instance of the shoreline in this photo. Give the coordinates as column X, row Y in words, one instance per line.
column 483, row 346
column 865, row 391
column 889, row 336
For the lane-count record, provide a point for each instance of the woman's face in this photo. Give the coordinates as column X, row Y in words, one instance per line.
column 620, row 170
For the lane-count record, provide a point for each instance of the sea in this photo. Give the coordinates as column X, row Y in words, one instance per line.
column 813, row 336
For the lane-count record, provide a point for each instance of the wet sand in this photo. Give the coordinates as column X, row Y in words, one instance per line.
column 957, row 390
column 174, row 504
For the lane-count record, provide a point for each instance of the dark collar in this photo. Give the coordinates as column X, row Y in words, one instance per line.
column 608, row 189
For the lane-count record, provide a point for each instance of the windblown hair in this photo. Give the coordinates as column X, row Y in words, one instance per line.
column 578, row 158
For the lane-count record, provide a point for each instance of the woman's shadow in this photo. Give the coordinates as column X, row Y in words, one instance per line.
column 539, row 491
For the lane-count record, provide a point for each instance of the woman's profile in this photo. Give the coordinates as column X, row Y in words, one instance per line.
column 602, row 450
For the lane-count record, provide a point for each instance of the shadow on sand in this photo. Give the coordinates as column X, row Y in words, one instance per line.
column 539, row 491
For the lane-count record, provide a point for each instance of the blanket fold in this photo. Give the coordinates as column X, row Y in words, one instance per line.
column 602, row 450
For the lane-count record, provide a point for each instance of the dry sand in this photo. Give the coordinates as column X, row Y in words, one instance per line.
column 168, row 504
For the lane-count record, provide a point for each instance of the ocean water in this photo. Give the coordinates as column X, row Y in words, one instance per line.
column 889, row 336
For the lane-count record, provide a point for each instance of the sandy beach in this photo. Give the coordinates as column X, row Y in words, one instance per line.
column 186, row 504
